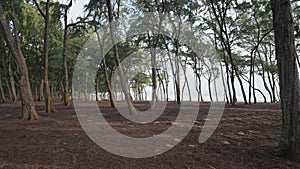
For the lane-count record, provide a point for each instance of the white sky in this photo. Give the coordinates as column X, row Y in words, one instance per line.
column 77, row 8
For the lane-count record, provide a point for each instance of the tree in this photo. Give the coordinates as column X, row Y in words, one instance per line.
column 30, row 21
column 227, row 34
column 2, row 95
column 288, row 77
column 65, row 43
column 66, row 96
column 46, row 16
column 131, row 108
column 138, row 83
column 28, row 105
column 97, row 11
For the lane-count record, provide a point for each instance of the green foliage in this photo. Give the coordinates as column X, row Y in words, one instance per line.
column 241, row 30
column 139, row 81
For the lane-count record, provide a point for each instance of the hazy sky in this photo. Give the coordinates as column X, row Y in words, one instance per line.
column 77, row 8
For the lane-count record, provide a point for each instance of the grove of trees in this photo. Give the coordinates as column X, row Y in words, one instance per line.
column 256, row 41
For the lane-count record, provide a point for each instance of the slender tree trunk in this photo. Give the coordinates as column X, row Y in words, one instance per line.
column 220, row 16
column 253, row 82
column 97, row 84
column 109, row 88
column 274, row 88
column 221, row 69
column 107, row 81
column 264, row 77
column 186, row 82
column 12, row 82
column 161, row 84
column 48, row 99
column 177, row 74
column 6, row 76
column 66, row 96
column 41, row 90
column 166, row 78
column 235, row 71
column 228, row 83
column 176, row 80
column 153, row 67
column 200, row 97
column 153, row 59
column 234, row 99
column 209, row 89
column 46, row 16
column 2, row 95
column 242, row 87
column 28, row 105
column 273, row 81
column 250, row 76
column 253, row 57
column 224, row 86
column 128, row 97
column 288, row 78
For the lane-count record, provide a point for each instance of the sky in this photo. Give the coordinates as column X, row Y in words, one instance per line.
column 77, row 8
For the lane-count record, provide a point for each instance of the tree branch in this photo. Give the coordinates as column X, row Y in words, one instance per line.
column 39, row 9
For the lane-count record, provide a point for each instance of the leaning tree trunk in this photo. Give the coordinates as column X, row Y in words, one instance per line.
column 2, row 95
column 128, row 97
column 288, row 78
column 12, row 81
column 222, row 73
column 28, row 105
column 106, row 78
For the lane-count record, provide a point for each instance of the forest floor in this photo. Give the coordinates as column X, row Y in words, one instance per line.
column 247, row 137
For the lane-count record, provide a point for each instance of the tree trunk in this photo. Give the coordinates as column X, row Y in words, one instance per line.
column 250, row 76
column 97, row 84
column 66, row 96
column 41, row 90
column 163, row 94
column 272, row 80
column 2, row 95
column 12, row 81
column 48, row 99
column 264, row 77
column 28, row 105
column 186, row 82
column 6, row 76
column 199, row 89
column 106, row 78
column 222, row 73
column 288, row 78
column 128, row 97
column 46, row 16
column 242, row 87
column 228, row 83
column 234, row 99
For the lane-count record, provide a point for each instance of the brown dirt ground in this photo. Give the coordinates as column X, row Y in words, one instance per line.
column 247, row 137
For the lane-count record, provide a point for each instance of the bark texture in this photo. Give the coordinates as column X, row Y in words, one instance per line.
column 288, row 78
column 28, row 105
